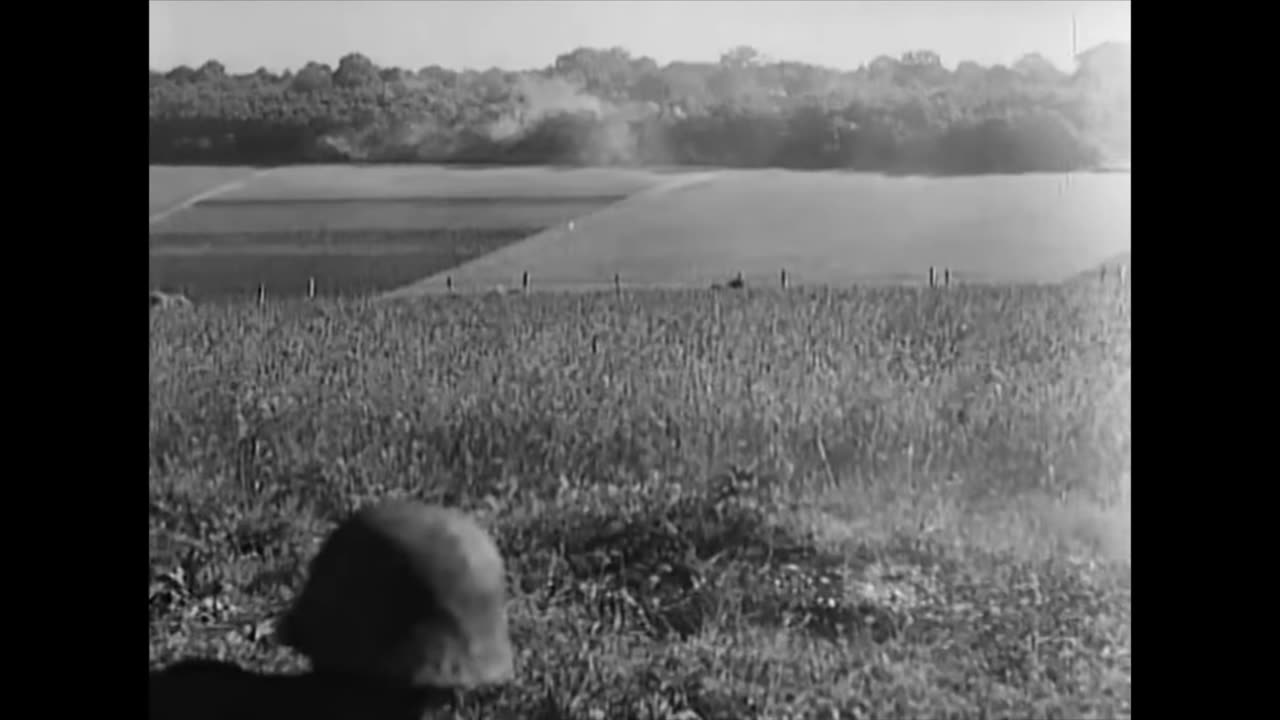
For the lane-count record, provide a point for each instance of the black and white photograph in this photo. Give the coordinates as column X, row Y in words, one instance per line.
column 640, row 359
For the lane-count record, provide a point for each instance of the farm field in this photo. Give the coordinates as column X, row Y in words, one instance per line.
column 361, row 230
column 169, row 185
column 870, row 502
column 825, row 228
column 379, row 182
column 231, row 267
column 331, row 217
column 660, row 228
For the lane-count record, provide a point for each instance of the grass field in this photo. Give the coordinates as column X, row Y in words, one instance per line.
column 674, row 229
column 378, row 182
column 170, row 185
column 378, row 215
column 826, row 228
column 356, row 230
column 230, row 267
column 870, row 503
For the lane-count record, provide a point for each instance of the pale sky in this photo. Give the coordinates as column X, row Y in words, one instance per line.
column 530, row 34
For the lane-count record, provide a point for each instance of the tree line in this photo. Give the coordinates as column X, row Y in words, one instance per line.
column 605, row 107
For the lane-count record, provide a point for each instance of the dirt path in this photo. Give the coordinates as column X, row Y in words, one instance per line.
column 204, row 195
column 552, row 235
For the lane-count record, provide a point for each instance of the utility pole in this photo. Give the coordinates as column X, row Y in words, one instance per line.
column 1073, row 36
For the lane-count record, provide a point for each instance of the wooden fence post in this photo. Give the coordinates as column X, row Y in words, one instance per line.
column 448, row 283
column 617, row 284
column 524, row 281
column 262, row 294
column 311, row 288
column 784, row 278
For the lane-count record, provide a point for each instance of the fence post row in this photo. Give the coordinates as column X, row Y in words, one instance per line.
column 785, row 281
column 933, row 277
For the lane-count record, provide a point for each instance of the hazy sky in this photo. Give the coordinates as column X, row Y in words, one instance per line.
column 531, row 33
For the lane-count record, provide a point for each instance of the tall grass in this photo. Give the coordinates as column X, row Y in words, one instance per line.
column 887, row 502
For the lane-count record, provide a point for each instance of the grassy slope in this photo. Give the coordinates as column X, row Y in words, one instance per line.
column 887, row 544
column 826, row 228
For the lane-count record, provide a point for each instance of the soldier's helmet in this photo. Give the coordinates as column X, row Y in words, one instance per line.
column 405, row 594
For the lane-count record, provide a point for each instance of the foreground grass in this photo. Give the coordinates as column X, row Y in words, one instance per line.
column 871, row 503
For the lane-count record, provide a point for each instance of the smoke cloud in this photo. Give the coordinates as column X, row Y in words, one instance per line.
column 545, row 112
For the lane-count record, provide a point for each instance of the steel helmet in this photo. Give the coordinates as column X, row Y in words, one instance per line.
column 405, row 593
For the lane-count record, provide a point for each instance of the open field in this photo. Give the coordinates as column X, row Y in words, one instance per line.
column 877, row 502
column 378, row 182
column 231, row 267
column 378, row 215
column 360, row 230
column 170, row 185
column 825, row 228
column 674, row 229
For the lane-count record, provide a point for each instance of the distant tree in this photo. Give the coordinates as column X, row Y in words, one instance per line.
column 907, row 113
column 606, row 73
column 442, row 77
column 355, row 71
column 922, row 67
column 883, row 69
column 1106, row 68
column 265, row 76
column 392, row 74
column 798, row 79
column 643, row 66
column 211, row 71
column 969, row 72
column 1001, row 79
column 1109, row 58
column 921, row 59
column 742, row 56
column 1035, row 68
column 491, row 86
column 650, row 87
column 181, row 75
column 737, row 78
column 812, row 138
column 313, row 77
column 688, row 81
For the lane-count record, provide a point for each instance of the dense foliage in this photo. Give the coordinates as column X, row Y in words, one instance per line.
column 607, row 107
